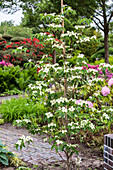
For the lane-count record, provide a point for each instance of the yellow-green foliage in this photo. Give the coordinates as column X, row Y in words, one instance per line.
column 1, row 121
column 103, row 61
column 16, row 162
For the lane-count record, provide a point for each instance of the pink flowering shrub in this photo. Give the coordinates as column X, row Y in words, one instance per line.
column 96, row 67
column 90, row 104
column 110, row 82
column 6, row 64
column 105, row 91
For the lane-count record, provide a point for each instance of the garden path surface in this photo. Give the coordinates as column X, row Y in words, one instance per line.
column 40, row 153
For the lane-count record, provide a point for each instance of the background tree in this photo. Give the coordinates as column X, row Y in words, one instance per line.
column 100, row 10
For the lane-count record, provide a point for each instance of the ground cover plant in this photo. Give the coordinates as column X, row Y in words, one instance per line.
column 21, row 108
column 14, row 80
column 5, row 155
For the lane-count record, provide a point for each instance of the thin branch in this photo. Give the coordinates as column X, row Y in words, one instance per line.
column 96, row 18
column 99, row 13
column 94, row 11
column 61, row 156
column 110, row 17
column 98, row 25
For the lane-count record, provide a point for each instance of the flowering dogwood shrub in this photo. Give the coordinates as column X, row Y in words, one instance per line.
column 88, row 111
column 76, row 105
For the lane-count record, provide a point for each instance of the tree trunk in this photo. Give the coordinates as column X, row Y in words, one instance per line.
column 106, row 47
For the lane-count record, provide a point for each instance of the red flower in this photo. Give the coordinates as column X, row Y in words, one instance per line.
column 47, row 33
column 24, row 42
column 4, row 41
column 58, row 40
column 38, row 69
column 35, row 39
column 42, row 53
column 8, row 46
column 33, row 54
column 5, row 56
column 4, row 49
column 27, row 51
column 13, row 59
column 17, row 42
column 20, row 59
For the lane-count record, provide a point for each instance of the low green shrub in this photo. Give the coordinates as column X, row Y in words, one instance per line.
column 103, row 61
column 100, row 54
column 1, row 121
column 20, row 108
column 4, row 154
column 16, row 77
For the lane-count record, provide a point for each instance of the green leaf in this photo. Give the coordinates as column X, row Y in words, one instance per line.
column 3, row 155
column 4, row 161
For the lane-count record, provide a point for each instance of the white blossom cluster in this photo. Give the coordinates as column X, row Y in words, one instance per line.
column 73, row 125
column 59, row 142
column 64, row 131
column 49, row 114
column 91, row 82
column 85, row 39
column 59, row 46
column 80, row 56
column 39, row 85
column 90, row 70
column 108, row 110
column 55, row 26
column 73, row 78
column 105, row 65
column 69, row 55
column 59, row 100
column 72, row 33
column 42, row 33
column 87, row 122
column 50, row 91
column 50, row 39
column 79, row 26
column 52, row 14
column 77, row 68
column 106, row 116
column 51, row 124
column 24, row 139
column 24, row 120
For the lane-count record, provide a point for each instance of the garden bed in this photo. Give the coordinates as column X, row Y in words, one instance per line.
column 91, row 158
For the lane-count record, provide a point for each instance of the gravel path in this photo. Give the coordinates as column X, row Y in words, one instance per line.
column 37, row 152
column 9, row 97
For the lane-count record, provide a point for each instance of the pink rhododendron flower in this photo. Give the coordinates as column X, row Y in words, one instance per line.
column 110, row 82
column 105, row 91
column 78, row 101
column 90, row 104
